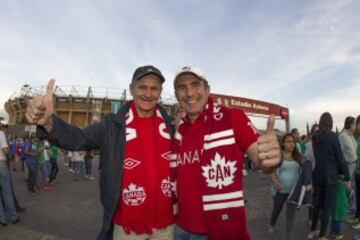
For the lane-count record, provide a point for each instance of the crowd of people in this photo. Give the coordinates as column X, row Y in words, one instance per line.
column 80, row 163
column 181, row 178
column 38, row 160
column 320, row 172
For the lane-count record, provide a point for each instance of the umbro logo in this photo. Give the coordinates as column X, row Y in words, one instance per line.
column 130, row 163
column 169, row 156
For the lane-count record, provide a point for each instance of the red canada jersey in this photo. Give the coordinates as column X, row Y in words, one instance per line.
column 189, row 172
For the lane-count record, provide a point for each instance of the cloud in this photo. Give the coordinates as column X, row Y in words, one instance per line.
column 341, row 103
column 276, row 51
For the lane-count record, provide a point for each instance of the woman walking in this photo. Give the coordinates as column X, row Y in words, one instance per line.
column 284, row 179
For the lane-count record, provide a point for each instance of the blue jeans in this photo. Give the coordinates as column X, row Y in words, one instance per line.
column 47, row 170
column 352, row 200
column 182, row 234
column 32, row 175
column 88, row 167
column 66, row 158
column 6, row 194
column 43, row 173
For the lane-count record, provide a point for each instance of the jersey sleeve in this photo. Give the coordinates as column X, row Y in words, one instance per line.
column 245, row 132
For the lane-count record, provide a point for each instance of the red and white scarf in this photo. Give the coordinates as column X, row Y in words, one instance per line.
column 221, row 163
column 146, row 200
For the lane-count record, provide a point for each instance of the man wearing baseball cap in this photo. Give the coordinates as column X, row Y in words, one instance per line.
column 210, row 143
column 135, row 188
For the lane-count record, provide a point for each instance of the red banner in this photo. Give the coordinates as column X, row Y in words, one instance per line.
column 252, row 106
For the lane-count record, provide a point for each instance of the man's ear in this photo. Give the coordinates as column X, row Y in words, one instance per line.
column 208, row 89
column 131, row 88
column 176, row 96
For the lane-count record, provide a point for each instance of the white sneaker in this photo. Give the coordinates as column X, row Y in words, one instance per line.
column 271, row 231
column 313, row 234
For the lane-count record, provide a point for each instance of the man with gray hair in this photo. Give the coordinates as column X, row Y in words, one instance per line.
column 134, row 143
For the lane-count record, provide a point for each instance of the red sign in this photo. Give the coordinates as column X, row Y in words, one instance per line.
column 251, row 105
column 284, row 113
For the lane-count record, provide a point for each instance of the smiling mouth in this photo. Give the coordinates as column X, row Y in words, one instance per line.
column 147, row 100
column 191, row 101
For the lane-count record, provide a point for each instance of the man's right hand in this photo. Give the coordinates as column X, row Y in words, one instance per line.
column 40, row 108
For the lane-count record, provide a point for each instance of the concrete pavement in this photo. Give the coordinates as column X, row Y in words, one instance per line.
column 72, row 210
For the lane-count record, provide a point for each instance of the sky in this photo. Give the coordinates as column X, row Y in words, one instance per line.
column 304, row 55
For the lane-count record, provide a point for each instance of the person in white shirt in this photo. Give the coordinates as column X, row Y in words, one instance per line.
column 349, row 148
column 79, row 164
column 5, row 185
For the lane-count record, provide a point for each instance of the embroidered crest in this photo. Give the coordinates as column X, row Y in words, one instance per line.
column 220, row 173
column 134, row 196
column 166, row 187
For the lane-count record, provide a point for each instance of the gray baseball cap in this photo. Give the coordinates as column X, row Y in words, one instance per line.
column 146, row 70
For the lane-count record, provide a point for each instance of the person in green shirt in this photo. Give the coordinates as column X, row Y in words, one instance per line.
column 339, row 212
column 44, row 166
column 303, row 141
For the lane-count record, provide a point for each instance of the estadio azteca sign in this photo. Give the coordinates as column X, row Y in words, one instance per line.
column 251, row 105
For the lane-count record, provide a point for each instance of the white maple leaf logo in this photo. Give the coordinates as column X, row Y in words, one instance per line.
column 220, row 173
column 133, row 195
column 132, row 188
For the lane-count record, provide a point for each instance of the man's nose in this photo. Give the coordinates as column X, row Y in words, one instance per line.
column 190, row 92
column 148, row 93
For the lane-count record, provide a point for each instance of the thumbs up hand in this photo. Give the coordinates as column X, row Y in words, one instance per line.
column 268, row 146
column 40, row 108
